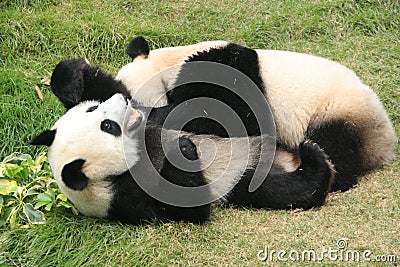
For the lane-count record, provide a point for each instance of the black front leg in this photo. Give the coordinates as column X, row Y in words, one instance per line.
column 180, row 176
column 74, row 81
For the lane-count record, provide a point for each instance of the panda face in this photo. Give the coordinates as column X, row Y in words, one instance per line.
column 90, row 146
column 95, row 132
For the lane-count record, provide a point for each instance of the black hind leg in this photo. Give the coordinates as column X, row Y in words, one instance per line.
column 341, row 141
column 305, row 188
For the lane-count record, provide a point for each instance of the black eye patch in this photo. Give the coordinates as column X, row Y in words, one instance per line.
column 92, row 108
column 111, row 127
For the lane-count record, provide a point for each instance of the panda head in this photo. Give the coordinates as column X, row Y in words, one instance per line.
column 89, row 144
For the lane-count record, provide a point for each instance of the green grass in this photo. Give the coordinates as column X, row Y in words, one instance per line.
column 35, row 35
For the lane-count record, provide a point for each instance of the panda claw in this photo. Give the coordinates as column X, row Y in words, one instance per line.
column 312, row 156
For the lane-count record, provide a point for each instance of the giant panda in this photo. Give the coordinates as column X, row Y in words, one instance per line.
column 96, row 154
column 309, row 97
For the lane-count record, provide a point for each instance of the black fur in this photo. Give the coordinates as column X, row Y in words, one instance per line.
column 305, row 188
column 74, row 81
column 132, row 205
column 236, row 56
column 187, row 179
column 46, row 138
column 340, row 140
column 241, row 58
column 72, row 175
column 138, row 46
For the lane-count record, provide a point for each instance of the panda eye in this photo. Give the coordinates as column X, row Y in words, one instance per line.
column 111, row 127
column 92, row 108
column 106, row 125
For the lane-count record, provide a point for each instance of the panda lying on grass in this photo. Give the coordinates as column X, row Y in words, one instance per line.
column 311, row 99
column 93, row 146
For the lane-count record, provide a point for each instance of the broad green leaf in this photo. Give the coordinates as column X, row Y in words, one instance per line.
column 62, row 197
column 29, row 185
column 35, row 168
column 64, row 204
column 48, row 206
column 13, row 171
column 7, row 187
column 12, row 217
column 46, row 167
column 23, row 156
column 6, row 212
column 30, row 161
column 11, row 157
column 40, row 159
column 44, row 197
column 3, row 187
column 32, row 191
column 24, row 174
column 40, row 204
column 8, row 158
column 34, row 216
column 8, row 200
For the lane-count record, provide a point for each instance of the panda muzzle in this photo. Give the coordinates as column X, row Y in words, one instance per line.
column 134, row 119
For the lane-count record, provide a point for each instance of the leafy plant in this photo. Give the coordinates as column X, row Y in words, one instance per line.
column 27, row 190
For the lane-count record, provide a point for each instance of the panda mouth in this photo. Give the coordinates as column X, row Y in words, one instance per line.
column 134, row 119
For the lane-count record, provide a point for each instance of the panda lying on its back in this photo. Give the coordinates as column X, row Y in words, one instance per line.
column 93, row 146
column 310, row 97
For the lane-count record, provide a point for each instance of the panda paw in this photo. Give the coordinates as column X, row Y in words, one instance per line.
column 312, row 156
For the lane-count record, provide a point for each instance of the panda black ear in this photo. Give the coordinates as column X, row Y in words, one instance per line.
column 44, row 139
column 72, row 175
column 138, row 46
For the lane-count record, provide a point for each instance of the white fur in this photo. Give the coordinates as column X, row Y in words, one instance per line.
column 296, row 87
column 78, row 136
column 307, row 90
column 224, row 160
